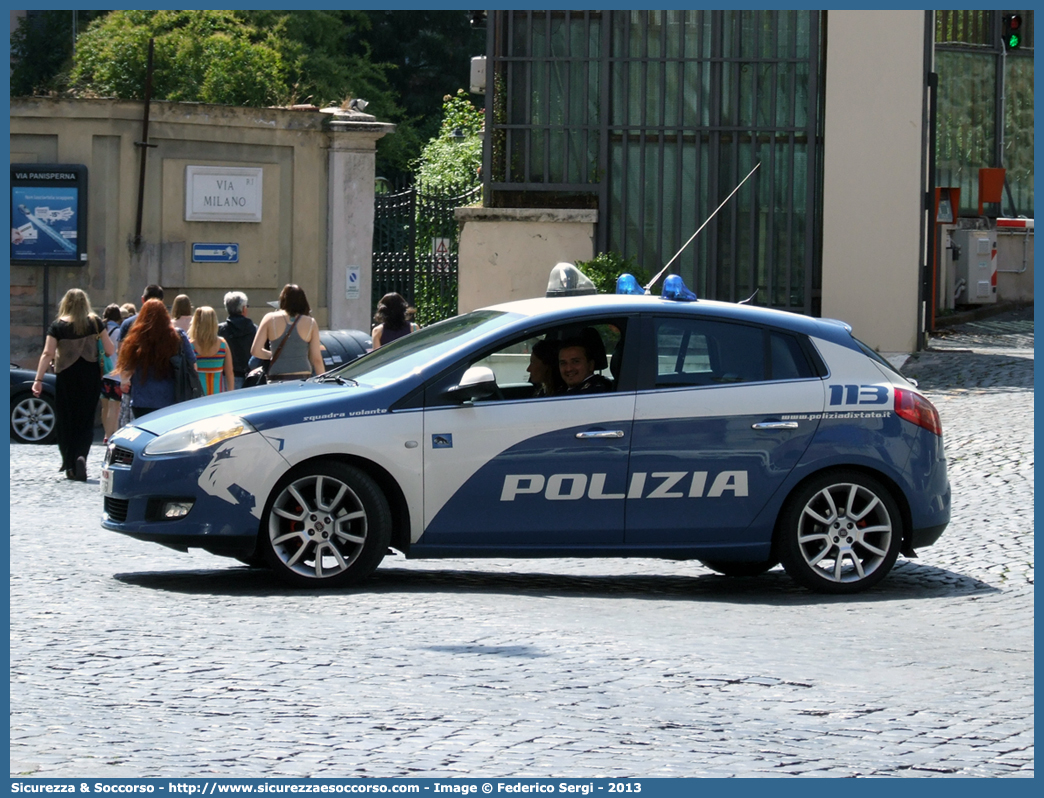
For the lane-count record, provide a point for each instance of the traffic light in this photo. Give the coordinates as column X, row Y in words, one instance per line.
column 1011, row 31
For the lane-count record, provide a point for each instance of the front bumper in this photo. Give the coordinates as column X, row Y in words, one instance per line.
column 224, row 486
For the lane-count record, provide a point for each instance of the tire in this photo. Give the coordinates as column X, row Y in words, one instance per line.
column 33, row 419
column 326, row 525
column 740, row 568
column 839, row 533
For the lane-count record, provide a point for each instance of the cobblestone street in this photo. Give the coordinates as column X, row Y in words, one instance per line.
column 129, row 659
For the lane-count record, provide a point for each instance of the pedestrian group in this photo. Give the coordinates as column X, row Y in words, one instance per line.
column 130, row 358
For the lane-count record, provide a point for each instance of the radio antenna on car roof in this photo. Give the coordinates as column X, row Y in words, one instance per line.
column 654, row 280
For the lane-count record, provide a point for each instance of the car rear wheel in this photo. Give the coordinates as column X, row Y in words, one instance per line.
column 840, row 533
column 740, row 568
column 327, row 525
column 32, row 419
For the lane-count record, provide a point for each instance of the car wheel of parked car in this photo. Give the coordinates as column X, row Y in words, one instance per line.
column 740, row 568
column 327, row 525
column 32, row 419
column 839, row 533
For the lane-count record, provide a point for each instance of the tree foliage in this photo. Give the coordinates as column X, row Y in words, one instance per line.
column 402, row 62
column 449, row 163
column 447, row 167
column 605, row 267
column 41, row 50
column 428, row 54
column 212, row 56
column 249, row 58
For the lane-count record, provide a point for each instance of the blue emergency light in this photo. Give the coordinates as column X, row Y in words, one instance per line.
column 627, row 284
column 674, row 287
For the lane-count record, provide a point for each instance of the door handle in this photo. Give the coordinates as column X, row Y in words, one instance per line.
column 775, row 425
column 600, row 434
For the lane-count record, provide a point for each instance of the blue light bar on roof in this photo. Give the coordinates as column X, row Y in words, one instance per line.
column 674, row 287
column 627, row 284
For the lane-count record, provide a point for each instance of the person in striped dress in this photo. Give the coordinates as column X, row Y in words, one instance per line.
column 213, row 358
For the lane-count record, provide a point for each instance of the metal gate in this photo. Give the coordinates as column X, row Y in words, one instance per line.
column 415, row 239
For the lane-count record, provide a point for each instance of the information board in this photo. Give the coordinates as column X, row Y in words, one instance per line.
column 48, row 214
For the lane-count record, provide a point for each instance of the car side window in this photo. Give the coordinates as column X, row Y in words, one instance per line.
column 509, row 365
column 705, row 352
column 787, row 361
column 518, row 377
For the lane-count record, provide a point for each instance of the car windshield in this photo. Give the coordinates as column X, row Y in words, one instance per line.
column 416, row 350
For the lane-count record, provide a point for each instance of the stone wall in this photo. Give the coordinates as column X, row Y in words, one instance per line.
column 309, row 227
column 508, row 253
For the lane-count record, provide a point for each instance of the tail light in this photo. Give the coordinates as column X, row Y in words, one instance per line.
column 917, row 410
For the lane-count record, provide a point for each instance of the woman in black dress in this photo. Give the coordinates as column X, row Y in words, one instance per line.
column 72, row 345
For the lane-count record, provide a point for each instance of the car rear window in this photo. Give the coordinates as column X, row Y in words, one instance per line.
column 705, row 352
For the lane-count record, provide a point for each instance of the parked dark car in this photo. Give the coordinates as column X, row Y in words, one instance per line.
column 32, row 418
column 343, row 346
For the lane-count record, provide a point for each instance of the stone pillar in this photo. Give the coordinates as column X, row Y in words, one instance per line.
column 349, row 261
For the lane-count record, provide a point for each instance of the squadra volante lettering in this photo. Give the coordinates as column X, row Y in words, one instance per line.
column 643, row 485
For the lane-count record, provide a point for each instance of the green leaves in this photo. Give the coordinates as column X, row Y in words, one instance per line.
column 248, row 58
column 449, row 163
column 200, row 56
column 401, row 62
column 605, row 267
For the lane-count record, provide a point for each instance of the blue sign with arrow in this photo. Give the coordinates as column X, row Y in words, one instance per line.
column 215, row 253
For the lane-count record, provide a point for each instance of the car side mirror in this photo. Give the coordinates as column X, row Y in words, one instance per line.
column 477, row 382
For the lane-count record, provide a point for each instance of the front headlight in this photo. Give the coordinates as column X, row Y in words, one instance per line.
column 199, row 435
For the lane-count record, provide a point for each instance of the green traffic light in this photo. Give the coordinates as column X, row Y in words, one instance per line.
column 1013, row 36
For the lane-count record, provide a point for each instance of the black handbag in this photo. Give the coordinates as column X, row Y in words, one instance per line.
column 258, row 376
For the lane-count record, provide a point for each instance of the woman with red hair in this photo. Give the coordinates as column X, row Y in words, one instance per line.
column 144, row 359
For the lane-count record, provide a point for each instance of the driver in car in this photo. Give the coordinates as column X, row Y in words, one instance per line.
column 576, row 365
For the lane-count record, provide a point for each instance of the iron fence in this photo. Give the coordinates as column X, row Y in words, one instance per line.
column 415, row 240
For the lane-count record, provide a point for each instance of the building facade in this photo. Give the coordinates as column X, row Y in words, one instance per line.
column 307, row 182
column 651, row 118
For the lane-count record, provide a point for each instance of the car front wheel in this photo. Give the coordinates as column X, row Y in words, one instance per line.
column 32, row 419
column 840, row 533
column 327, row 525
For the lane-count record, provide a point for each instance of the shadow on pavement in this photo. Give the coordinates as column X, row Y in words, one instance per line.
column 941, row 370
column 907, row 581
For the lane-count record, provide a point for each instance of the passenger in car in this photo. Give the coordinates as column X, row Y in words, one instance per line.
column 543, row 369
column 576, row 364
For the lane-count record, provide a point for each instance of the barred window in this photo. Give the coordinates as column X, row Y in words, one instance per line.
column 653, row 117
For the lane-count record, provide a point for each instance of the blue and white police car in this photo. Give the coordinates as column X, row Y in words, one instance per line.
column 738, row 436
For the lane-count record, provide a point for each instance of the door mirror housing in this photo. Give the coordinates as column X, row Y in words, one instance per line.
column 477, row 382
